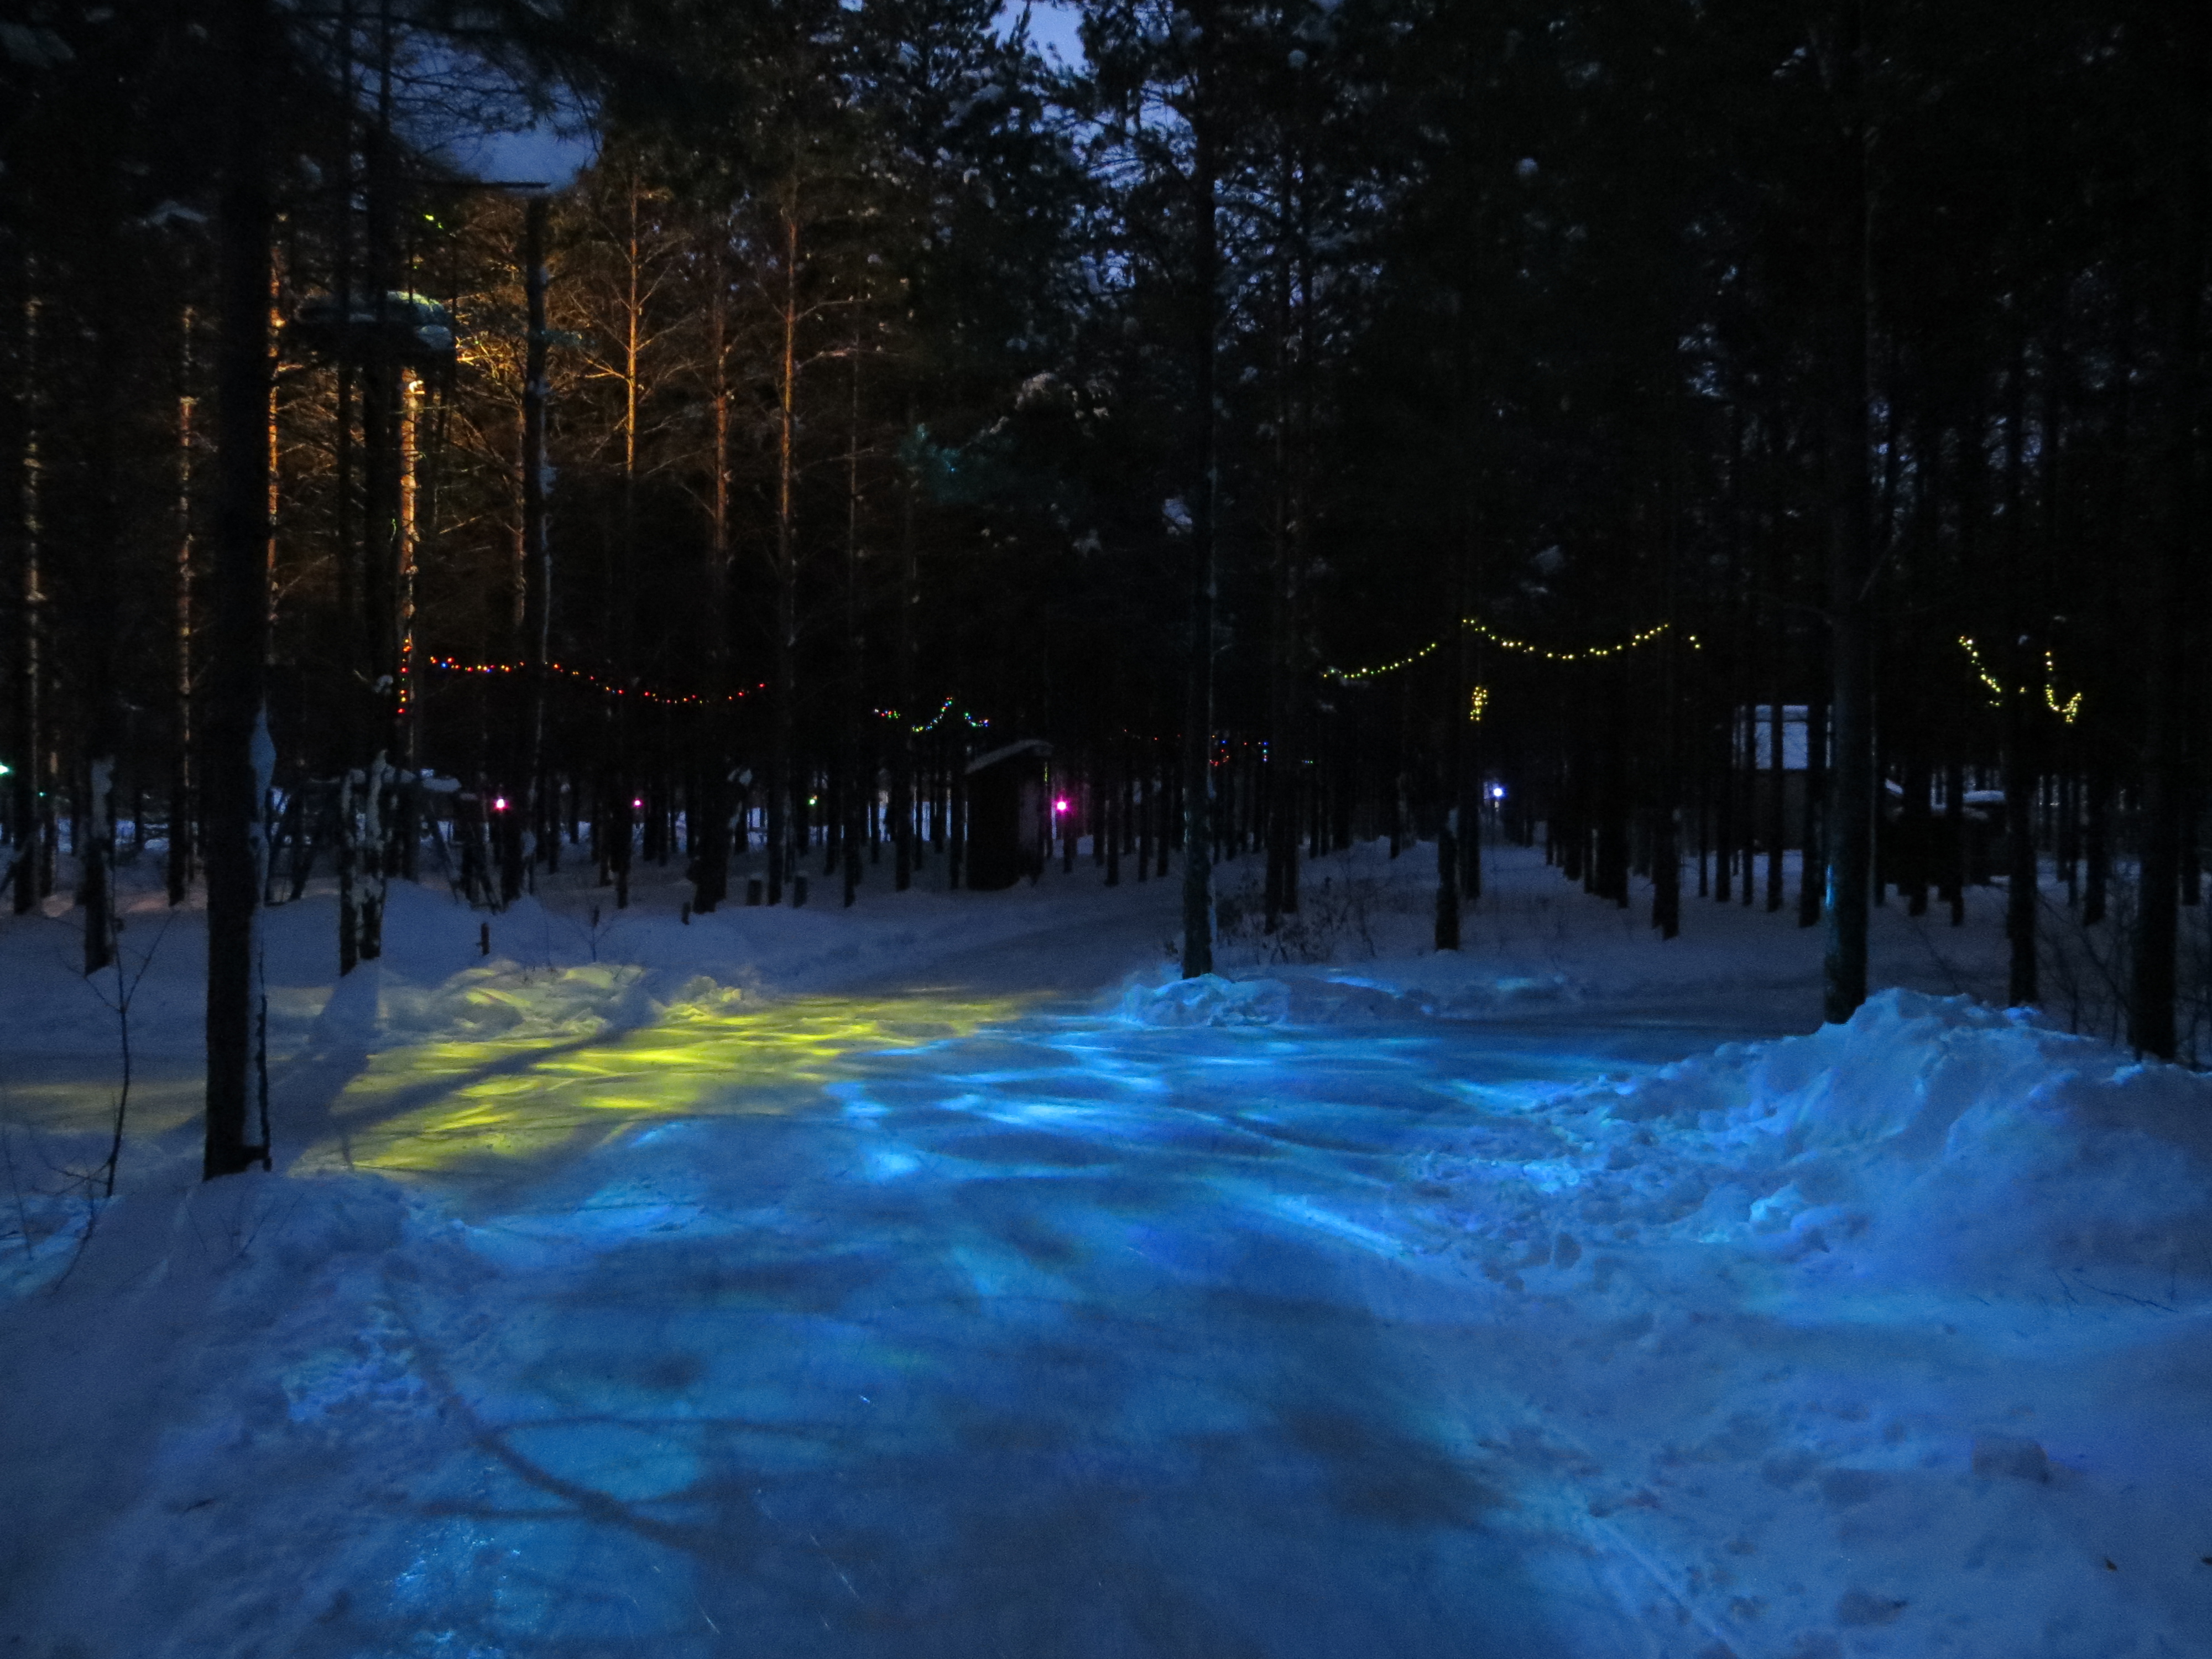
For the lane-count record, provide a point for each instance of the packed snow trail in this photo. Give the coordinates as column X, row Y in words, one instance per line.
column 1063, row 1336
column 715, row 1288
column 1062, row 1339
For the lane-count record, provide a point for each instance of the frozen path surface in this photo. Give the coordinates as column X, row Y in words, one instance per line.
column 862, row 1283
column 1064, row 1336
column 1068, row 1338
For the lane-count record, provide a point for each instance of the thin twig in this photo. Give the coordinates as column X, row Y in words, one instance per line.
column 22, row 1215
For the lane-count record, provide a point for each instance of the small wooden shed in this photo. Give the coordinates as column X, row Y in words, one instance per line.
column 1007, row 814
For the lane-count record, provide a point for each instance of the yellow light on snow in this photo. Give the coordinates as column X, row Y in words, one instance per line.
column 454, row 1105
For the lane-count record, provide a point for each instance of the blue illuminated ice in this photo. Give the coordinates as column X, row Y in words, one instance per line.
column 1384, row 1303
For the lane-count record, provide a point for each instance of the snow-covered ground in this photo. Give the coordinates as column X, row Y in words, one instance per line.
column 943, row 1276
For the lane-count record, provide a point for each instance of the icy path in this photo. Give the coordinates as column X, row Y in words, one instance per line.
column 733, row 1295
column 1071, row 1341
column 1065, row 1337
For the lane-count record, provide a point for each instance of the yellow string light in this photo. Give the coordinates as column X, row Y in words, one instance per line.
column 1588, row 654
column 1352, row 675
column 454, row 666
column 2070, row 711
column 1477, row 702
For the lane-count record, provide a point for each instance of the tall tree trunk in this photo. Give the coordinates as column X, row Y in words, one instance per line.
column 903, row 848
column 852, row 812
column 2151, row 1015
column 238, row 756
column 382, row 484
column 1446, row 931
column 534, row 574
column 711, row 859
column 1812, row 832
column 181, row 808
column 628, row 793
column 32, row 807
column 781, row 782
column 1667, row 817
column 1198, row 699
column 1849, row 817
column 102, row 717
column 2021, row 885
column 1294, row 469
column 2096, row 857
column 1777, row 803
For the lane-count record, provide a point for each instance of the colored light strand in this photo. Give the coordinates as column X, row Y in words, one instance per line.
column 454, row 666
column 976, row 722
column 2070, row 711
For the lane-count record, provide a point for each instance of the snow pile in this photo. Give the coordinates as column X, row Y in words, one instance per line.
column 1930, row 1141
column 1208, row 1000
column 503, row 999
column 1328, row 999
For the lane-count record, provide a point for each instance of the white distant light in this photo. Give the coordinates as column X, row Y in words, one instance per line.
column 1498, row 792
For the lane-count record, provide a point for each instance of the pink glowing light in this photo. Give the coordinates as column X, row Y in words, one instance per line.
column 637, row 807
column 499, row 804
column 1059, row 805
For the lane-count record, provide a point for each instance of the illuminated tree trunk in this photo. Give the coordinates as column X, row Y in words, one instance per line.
column 534, row 574
column 625, row 619
column 711, row 859
column 382, row 486
column 34, row 809
column 781, row 780
column 180, row 777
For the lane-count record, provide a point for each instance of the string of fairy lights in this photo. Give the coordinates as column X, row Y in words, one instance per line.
column 976, row 722
column 2070, row 711
column 676, row 700
column 1520, row 648
column 1478, row 700
column 672, row 699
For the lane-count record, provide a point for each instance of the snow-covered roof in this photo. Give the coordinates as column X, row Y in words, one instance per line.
column 1007, row 751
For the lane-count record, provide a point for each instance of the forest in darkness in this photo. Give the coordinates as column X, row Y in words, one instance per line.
column 1317, row 420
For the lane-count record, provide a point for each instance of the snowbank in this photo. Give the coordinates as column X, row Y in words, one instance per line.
column 1316, row 999
column 1931, row 1141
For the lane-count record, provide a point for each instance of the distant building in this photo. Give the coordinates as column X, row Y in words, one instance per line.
column 1753, row 750
column 1007, row 821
